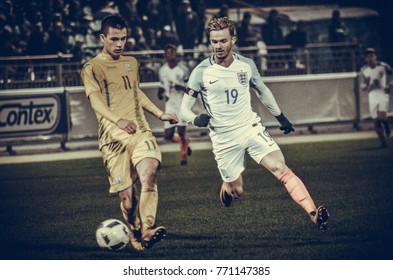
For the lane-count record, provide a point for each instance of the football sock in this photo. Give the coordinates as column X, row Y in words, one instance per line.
column 297, row 190
column 379, row 130
column 148, row 205
column 130, row 216
column 184, row 143
column 387, row 128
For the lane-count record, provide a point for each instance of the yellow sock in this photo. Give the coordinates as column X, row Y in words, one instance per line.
column 131, row 216
column 297, row 190
column 148, row 205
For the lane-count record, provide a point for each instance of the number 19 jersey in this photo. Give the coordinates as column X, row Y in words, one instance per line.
column 225, row 92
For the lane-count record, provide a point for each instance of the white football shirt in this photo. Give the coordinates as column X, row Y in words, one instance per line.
column 225, row 92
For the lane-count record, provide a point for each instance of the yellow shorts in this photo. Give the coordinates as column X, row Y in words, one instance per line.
column 121, row 157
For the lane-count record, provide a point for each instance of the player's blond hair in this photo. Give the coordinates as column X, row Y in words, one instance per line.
column 220, row 24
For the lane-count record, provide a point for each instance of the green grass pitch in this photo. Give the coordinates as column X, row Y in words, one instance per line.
column 51, row 210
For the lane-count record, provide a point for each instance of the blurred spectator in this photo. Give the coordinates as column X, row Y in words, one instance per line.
column 129, row 10
column 199, row 6
column 105, row 9
column 58, row 42
column 5, row 34
column 167, row 37
column 246, row 35
column 140, row 40
column 151, row 39
column 272, row 36
column 271, row 31
column 338, row 32
column 223, row 12
column 77, row 51
column 37, row 41
column 297, row 38
column 187, row 24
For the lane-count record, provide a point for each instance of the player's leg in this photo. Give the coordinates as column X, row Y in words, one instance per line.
column 275, row 163
column 169, row 134
column 378, row 127
column 185, row 149
column 376, row 103
column 117, row 163
column 147, row 157
column 147, row 170
column 383, row 118
column 129, row 207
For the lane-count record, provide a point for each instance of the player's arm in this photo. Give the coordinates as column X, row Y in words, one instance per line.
column 266, row 97
column 161, row 89
column 389, row 79
column 187, row 114
column 364, row 81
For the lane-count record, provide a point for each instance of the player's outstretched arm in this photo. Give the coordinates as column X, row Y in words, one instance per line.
column 186, row 113
column 172, row 118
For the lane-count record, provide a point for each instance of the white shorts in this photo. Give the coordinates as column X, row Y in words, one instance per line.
column 229, row 149
column 378, row 101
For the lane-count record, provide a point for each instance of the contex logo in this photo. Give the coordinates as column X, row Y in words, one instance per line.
column 29, row 114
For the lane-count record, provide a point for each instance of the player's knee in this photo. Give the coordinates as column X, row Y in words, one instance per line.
column 378, row 124
column 278, row 168
column 148, row 176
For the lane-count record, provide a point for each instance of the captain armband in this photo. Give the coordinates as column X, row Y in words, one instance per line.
column 192, row 92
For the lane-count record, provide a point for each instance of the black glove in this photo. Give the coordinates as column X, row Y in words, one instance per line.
column 202, row 120
column 286, row 125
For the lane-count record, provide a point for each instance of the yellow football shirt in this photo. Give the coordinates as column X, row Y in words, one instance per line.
column 117, row 81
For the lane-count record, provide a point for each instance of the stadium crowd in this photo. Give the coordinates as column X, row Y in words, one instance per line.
column 41, row 27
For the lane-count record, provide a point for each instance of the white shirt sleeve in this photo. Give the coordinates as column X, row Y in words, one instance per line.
column 186, row 113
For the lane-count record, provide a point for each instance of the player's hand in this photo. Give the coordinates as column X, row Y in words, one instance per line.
column 286, row 125
column 127, row 126
column 172, row 118
column 202, row 120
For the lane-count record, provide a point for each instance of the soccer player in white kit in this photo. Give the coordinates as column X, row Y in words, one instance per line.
column 375, row 77
column 223, row 80
column 173, row 76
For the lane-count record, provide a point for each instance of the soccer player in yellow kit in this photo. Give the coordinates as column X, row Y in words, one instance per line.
column 128, row 147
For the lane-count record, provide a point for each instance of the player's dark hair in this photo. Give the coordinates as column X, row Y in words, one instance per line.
column 114, row 21
column 220, row 24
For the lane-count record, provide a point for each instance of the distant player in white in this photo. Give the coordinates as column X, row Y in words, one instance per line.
column 376, row 80
column 223, row 81
column 173, row 77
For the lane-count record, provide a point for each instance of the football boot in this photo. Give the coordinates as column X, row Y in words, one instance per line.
column 320, row 218
column 225, row 198
column 151, row 236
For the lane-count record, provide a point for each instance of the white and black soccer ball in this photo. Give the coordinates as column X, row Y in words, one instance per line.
column 112, row 234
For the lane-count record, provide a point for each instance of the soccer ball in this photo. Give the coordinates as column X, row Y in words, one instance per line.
column 112, row 234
